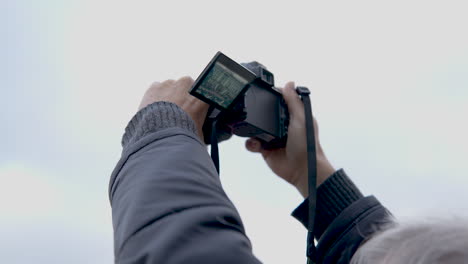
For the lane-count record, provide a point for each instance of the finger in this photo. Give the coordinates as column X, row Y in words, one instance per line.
column 253, row 145
column 295, row 105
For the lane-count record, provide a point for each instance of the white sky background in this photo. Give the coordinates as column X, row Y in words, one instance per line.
column 389, row 88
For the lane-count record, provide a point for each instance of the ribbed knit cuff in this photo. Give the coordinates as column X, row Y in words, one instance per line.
column 155, row 117
column 333, row 196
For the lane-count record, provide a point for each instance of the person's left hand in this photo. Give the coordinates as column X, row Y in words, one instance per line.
column 290, row 162
column 177, row 92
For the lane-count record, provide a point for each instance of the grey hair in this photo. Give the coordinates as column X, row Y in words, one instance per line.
column 422, row 241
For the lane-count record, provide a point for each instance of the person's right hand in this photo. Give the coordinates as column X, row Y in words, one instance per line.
column 290, row 162
column 177, row 92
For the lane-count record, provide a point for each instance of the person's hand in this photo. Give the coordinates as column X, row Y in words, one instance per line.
column 177, row 92
column 290, row 162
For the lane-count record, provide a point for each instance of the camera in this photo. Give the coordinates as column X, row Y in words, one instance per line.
column 243, row 101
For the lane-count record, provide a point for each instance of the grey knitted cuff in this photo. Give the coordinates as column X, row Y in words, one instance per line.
column 155, row 117
column 336, row 194
column 333, row 196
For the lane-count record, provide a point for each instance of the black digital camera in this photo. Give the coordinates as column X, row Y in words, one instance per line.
column 243, row 101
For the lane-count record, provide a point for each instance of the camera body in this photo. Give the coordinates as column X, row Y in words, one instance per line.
column 243, row 101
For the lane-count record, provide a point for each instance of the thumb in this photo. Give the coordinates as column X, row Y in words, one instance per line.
column 295, row 105
column 253, row 145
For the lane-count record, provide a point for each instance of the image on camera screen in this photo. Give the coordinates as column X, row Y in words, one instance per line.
column 221, row 85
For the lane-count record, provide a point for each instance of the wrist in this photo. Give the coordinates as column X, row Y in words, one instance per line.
column 155, row 117
column 324, row 171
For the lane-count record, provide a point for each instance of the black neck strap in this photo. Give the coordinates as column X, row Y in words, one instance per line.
column 311, row 172
column 311, row 167
column 214, row 145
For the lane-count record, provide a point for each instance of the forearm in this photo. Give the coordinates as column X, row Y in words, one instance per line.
column 168, row 205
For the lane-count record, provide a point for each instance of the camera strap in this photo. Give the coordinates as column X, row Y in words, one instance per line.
column 214, row 145
column 311, row 172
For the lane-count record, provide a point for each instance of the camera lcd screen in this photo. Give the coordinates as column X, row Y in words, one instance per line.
column 222, row 82
column 221, row 85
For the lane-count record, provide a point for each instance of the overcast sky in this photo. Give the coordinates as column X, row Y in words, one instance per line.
column 389, row 83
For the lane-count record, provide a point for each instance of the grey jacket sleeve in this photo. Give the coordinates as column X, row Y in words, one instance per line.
column 168, row 205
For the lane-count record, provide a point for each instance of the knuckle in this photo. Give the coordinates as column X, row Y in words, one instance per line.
column 168, row 82
column 154, row 85
column 160, row 85
column 186, row 79
column 157, row 83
